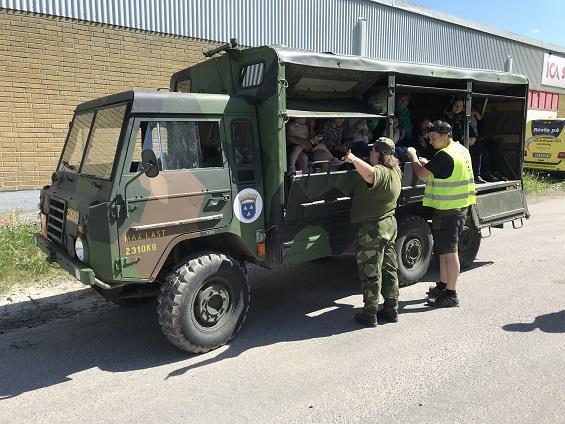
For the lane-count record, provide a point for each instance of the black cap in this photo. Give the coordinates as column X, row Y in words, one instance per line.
column 441, row 127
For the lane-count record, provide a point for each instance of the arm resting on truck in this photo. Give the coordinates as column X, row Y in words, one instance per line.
column 418, row 165
column 364, row 169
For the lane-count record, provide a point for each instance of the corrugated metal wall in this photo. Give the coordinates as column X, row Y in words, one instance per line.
column 321, row 25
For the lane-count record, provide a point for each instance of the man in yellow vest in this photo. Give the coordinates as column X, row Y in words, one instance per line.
column 450, row 189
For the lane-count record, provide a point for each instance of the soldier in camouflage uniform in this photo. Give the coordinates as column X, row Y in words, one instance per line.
column 374, row 203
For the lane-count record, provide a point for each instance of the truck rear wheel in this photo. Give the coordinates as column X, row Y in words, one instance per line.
column 469, row 244
column 413, row 249
column 203, row 303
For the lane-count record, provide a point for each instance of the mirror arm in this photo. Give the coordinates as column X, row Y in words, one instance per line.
column 128, row 183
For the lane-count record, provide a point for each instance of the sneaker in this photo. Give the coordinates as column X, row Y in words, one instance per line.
column 365, row 319
column 434, row 292
column 291, row 169
column 499, row 176
column 479, row 180
column 445, row 301
column 388, row 315
column 487, row 176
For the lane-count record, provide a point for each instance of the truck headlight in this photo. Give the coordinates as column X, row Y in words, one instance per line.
column 80, row 249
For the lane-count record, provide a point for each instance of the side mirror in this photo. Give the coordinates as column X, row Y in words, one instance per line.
column 149, row 163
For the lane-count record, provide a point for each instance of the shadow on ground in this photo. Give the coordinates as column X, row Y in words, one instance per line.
column 46, row 341
column 548, row 323
column 286, row 306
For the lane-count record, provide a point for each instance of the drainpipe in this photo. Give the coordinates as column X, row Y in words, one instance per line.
column 509, row 64
column 361, row 39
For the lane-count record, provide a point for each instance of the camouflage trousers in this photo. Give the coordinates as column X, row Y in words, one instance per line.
column 376, row 262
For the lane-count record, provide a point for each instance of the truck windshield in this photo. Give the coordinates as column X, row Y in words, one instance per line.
column 93, row 141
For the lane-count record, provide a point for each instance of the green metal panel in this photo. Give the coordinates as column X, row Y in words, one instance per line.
column 501, row 206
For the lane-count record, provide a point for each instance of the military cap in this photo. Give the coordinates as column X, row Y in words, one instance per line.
column 384, row 145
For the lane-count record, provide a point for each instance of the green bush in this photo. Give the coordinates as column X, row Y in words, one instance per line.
column 536, row 183
column 21, row 261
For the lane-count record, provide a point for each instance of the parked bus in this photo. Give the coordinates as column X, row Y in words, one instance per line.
column 545, row 145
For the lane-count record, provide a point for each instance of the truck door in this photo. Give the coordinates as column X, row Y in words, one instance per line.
column 247, row 180
column 191, row 194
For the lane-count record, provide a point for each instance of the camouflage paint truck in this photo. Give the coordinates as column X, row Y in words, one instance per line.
column 171, row 193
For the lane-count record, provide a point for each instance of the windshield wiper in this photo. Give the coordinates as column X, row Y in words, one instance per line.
column 68, row 165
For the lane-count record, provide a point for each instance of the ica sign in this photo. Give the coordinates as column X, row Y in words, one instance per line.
column 553, row 71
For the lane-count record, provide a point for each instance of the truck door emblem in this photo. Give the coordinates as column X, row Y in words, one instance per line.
column 248, row 205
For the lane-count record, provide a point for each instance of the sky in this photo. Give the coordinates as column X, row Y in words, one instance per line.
column 543, row 20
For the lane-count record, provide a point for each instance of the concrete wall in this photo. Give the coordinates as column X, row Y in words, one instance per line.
column 51, row 64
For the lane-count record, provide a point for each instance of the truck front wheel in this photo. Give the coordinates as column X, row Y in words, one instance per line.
column 413, row 249
column 203, row 303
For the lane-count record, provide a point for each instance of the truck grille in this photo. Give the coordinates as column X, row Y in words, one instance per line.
column 56, row 220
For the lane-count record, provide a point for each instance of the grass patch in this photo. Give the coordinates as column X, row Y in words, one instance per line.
column 21, row 262
column 538, row 183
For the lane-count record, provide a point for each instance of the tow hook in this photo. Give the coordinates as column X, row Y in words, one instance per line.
column 517, row 223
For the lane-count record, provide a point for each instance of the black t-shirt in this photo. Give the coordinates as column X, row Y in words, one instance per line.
column 441, row 165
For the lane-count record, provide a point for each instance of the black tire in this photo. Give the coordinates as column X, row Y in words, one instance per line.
column 203, row 303
column 413, row 249
column 469, row 244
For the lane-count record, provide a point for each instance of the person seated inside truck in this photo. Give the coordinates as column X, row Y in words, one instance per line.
column 332, row 134
column 358, row 134
column 377, row 100
column 421, row 139
column 304, row 147
column 399, row 138
column 404, row 115
column 377, row 103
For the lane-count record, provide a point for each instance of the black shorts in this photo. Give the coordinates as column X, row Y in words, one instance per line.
column 447, row 226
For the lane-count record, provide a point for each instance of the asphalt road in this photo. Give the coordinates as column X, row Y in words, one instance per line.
column 300, row 358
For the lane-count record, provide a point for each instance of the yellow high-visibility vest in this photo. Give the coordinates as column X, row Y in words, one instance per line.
column 457, row 191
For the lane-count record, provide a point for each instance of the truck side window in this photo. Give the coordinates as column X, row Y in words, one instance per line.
column 242, row 139
column 181, row 144
column 252, row 75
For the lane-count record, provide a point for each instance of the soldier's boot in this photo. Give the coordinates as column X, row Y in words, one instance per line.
column 370, row 305
column 366, row 319
column 389, row 312
column 388, row 315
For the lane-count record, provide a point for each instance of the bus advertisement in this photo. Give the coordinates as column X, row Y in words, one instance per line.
column 545, row 145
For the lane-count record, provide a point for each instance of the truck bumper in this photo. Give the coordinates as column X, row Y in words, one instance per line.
column 81, row 272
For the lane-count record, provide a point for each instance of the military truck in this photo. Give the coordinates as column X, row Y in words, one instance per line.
column 171, row 193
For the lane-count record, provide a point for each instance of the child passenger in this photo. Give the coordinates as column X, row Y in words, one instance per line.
column 404, row 115
column 304, row 147
column 399, row 137
column 359, row 134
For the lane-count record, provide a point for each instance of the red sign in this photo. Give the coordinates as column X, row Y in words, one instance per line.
column 553, row 71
